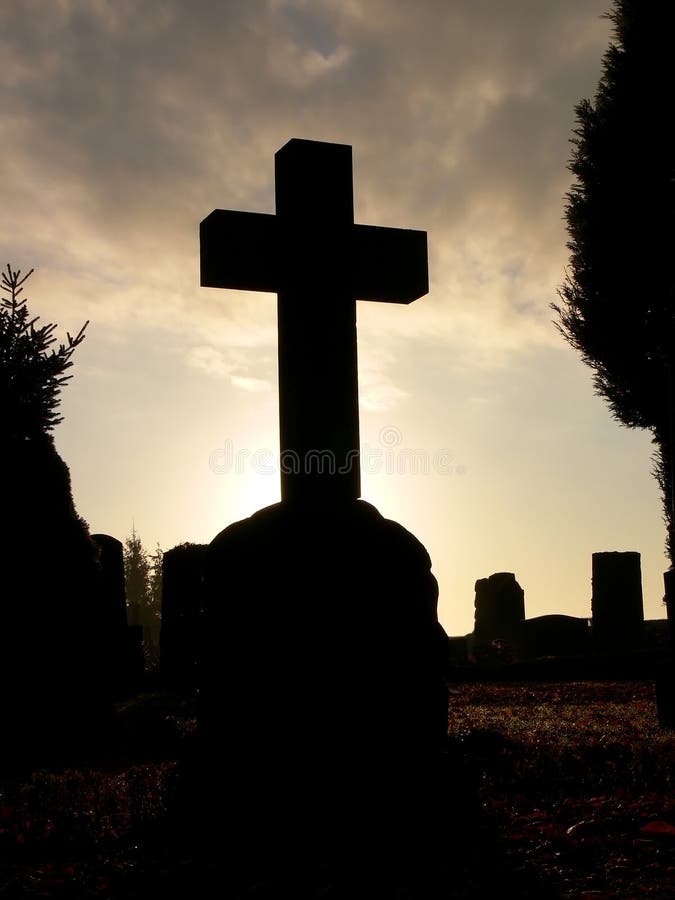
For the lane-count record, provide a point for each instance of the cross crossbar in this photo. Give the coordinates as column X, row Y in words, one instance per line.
column 387, row 264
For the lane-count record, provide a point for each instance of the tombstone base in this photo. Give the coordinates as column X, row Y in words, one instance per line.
column 323, row 705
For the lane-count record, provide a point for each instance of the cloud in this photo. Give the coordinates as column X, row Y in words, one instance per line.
column 209, row 360
column 231, row 364
column 254, row 385
column 126, row 123
column 378, row 391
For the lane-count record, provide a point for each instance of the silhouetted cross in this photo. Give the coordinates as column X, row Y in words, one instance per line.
column 319, row 263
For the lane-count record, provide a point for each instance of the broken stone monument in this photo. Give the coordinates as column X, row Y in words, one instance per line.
column 322, row 656
column 499, row 610
column 182, row 577
column 616, row 605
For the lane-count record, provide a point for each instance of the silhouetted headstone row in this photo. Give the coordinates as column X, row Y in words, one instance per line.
column 616, row 624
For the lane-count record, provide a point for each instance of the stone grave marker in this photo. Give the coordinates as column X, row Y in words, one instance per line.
column 182, row 577
column 616, row 605
column 499, row 610
column 554, row 635
column 322, row 660
column 121, row 656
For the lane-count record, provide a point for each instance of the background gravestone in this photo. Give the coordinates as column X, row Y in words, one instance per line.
column 113, row 596
column 554, row 635
column 182, row 578
column 616, row 605
column 499, row 610
column 118, row 641
column 657, row 635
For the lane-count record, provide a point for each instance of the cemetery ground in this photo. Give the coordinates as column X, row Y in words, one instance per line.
column 575, row 778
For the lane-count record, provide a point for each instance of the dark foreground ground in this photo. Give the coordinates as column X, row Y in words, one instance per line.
column 575, row 782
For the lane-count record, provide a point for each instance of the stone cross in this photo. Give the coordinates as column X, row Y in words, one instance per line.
column 318, row 262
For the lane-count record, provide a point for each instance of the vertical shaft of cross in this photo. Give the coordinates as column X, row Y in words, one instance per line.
column 318, row 375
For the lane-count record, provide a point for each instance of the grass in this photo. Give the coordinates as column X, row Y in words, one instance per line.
column 572, row 737
column 577, row 777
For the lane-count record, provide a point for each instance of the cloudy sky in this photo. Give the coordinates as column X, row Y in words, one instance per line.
column 125, row 122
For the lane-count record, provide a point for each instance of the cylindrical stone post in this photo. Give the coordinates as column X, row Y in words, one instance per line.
column 616, row 605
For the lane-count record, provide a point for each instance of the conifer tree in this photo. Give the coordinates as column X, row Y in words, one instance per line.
column 136, row 578
column 54, row 687
column 617, row 304
column 155, row 593
column 143, row 585
column 32, row 369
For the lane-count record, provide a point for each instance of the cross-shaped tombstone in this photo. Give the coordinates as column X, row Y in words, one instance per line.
column 319, row 263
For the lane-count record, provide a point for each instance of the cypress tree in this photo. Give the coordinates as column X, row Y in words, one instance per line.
column 617, row 304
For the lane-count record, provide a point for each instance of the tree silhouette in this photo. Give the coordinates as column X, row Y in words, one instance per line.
column 136, row 576
column 155, row 580
column 142, row 578
column 618, row 300
column 53, row 683
column 31, row 368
